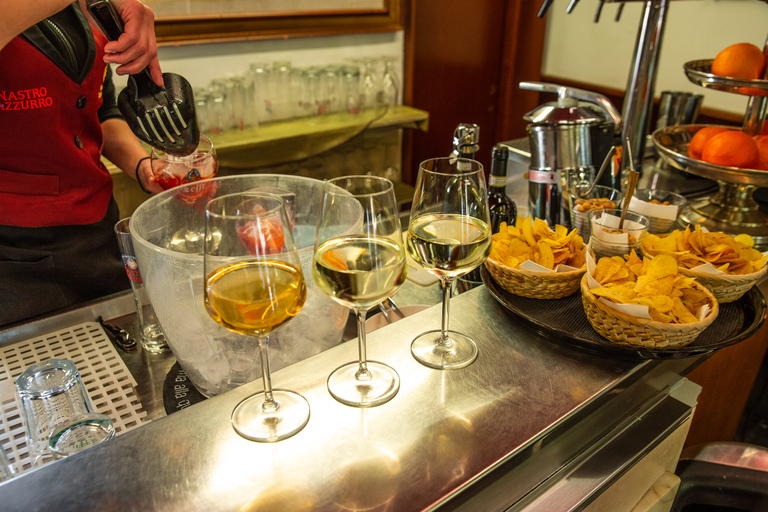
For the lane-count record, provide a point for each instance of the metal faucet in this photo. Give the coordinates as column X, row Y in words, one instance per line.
column 638, row 99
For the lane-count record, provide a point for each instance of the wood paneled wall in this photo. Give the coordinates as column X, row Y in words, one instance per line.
column 463, row 61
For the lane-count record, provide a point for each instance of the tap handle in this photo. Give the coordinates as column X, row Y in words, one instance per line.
column 599, row 10
column 618, row 11
column 545, row 7
column 571, row 6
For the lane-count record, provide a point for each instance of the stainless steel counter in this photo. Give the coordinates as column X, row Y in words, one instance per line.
column 500, row 433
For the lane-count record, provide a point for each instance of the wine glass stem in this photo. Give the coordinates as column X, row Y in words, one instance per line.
column 362, row 373
column 269, row 405
column 445, row 285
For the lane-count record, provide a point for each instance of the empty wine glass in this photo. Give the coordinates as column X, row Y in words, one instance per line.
column 449, row 235
column 253, row 286
column 360, row 268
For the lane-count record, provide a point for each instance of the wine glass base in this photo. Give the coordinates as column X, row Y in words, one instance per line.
column 381, row 387
column 458, row 352
column 252, row 422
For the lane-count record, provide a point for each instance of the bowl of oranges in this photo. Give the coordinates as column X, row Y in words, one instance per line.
column 738, row 68
column 532, row 260
column 733, row 158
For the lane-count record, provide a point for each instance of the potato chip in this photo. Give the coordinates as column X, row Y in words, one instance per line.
column 620, row 293
column 660, row 266
column 534, row 240
column 653, row 283
column 542, row 254
column 660, row 303
column 733, row 255
column 745, row 240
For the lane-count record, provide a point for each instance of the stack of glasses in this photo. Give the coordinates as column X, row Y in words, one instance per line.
column 278, row 91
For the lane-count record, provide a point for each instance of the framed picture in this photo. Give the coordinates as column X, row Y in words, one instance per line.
column 190, row 21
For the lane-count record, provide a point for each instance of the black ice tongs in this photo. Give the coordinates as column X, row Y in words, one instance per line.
column 163, row 117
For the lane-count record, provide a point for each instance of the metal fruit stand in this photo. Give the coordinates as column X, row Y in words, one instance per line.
column 732, row 209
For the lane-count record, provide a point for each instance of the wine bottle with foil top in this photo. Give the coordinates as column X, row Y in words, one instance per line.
column 500, row 206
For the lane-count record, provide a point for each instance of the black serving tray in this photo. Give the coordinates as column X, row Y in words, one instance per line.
column 564, row 321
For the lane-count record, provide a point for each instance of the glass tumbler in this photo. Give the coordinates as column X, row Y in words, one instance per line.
column 607, row 240
column 151, row 333
column 54, row 399
column 351, row 90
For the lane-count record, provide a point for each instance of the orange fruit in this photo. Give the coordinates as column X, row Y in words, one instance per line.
column 701, row 138
column 732, row 148
column 762, row 149
column 741, row 60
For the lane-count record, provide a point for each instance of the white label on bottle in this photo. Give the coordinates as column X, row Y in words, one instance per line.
column 464, row 165
column 497, row 181
column 542, row 176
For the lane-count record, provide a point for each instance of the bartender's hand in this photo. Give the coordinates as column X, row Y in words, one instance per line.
column 147, row 176
column 136, row 49
column 122, row 148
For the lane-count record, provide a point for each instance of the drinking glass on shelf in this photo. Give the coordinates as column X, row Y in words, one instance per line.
column 172, row 170
column 449, row 235
column 370, row 85
column 359, row 268
column 253, row 286
column 390, row 88
column 282, row 70
column 351, row 89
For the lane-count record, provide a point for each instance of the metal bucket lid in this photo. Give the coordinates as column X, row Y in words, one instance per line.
column 565, row 111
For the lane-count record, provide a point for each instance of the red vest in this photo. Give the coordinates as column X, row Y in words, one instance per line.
column 50, row 141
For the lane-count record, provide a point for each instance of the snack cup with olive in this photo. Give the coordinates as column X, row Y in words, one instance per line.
column 599, row 198
column 662, row 208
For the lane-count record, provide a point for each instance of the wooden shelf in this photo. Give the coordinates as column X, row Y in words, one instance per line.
column 284, row 141
column 296, row 139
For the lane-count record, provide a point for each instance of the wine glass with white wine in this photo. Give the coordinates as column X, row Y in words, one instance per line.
column 253, row 286
column 449, row 235
column 359, row 268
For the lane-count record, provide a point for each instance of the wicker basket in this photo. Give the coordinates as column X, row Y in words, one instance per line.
column 639, row 332
column 726, row 287
column 535, row 285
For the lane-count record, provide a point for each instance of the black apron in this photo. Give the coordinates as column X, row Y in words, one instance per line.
column 49, row 268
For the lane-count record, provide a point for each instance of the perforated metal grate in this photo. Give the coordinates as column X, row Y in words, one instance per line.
column 109, row 383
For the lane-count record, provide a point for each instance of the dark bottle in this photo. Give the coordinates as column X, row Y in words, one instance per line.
column 500, row 206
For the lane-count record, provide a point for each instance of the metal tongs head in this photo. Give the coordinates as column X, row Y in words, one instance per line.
column 163, row 117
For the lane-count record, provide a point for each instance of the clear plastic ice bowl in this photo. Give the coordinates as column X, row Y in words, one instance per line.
column 172, row 272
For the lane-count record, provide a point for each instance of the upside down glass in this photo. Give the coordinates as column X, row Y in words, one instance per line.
column 253, row 286
column 360, row 268
column 449, row 235
column 57, row 411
